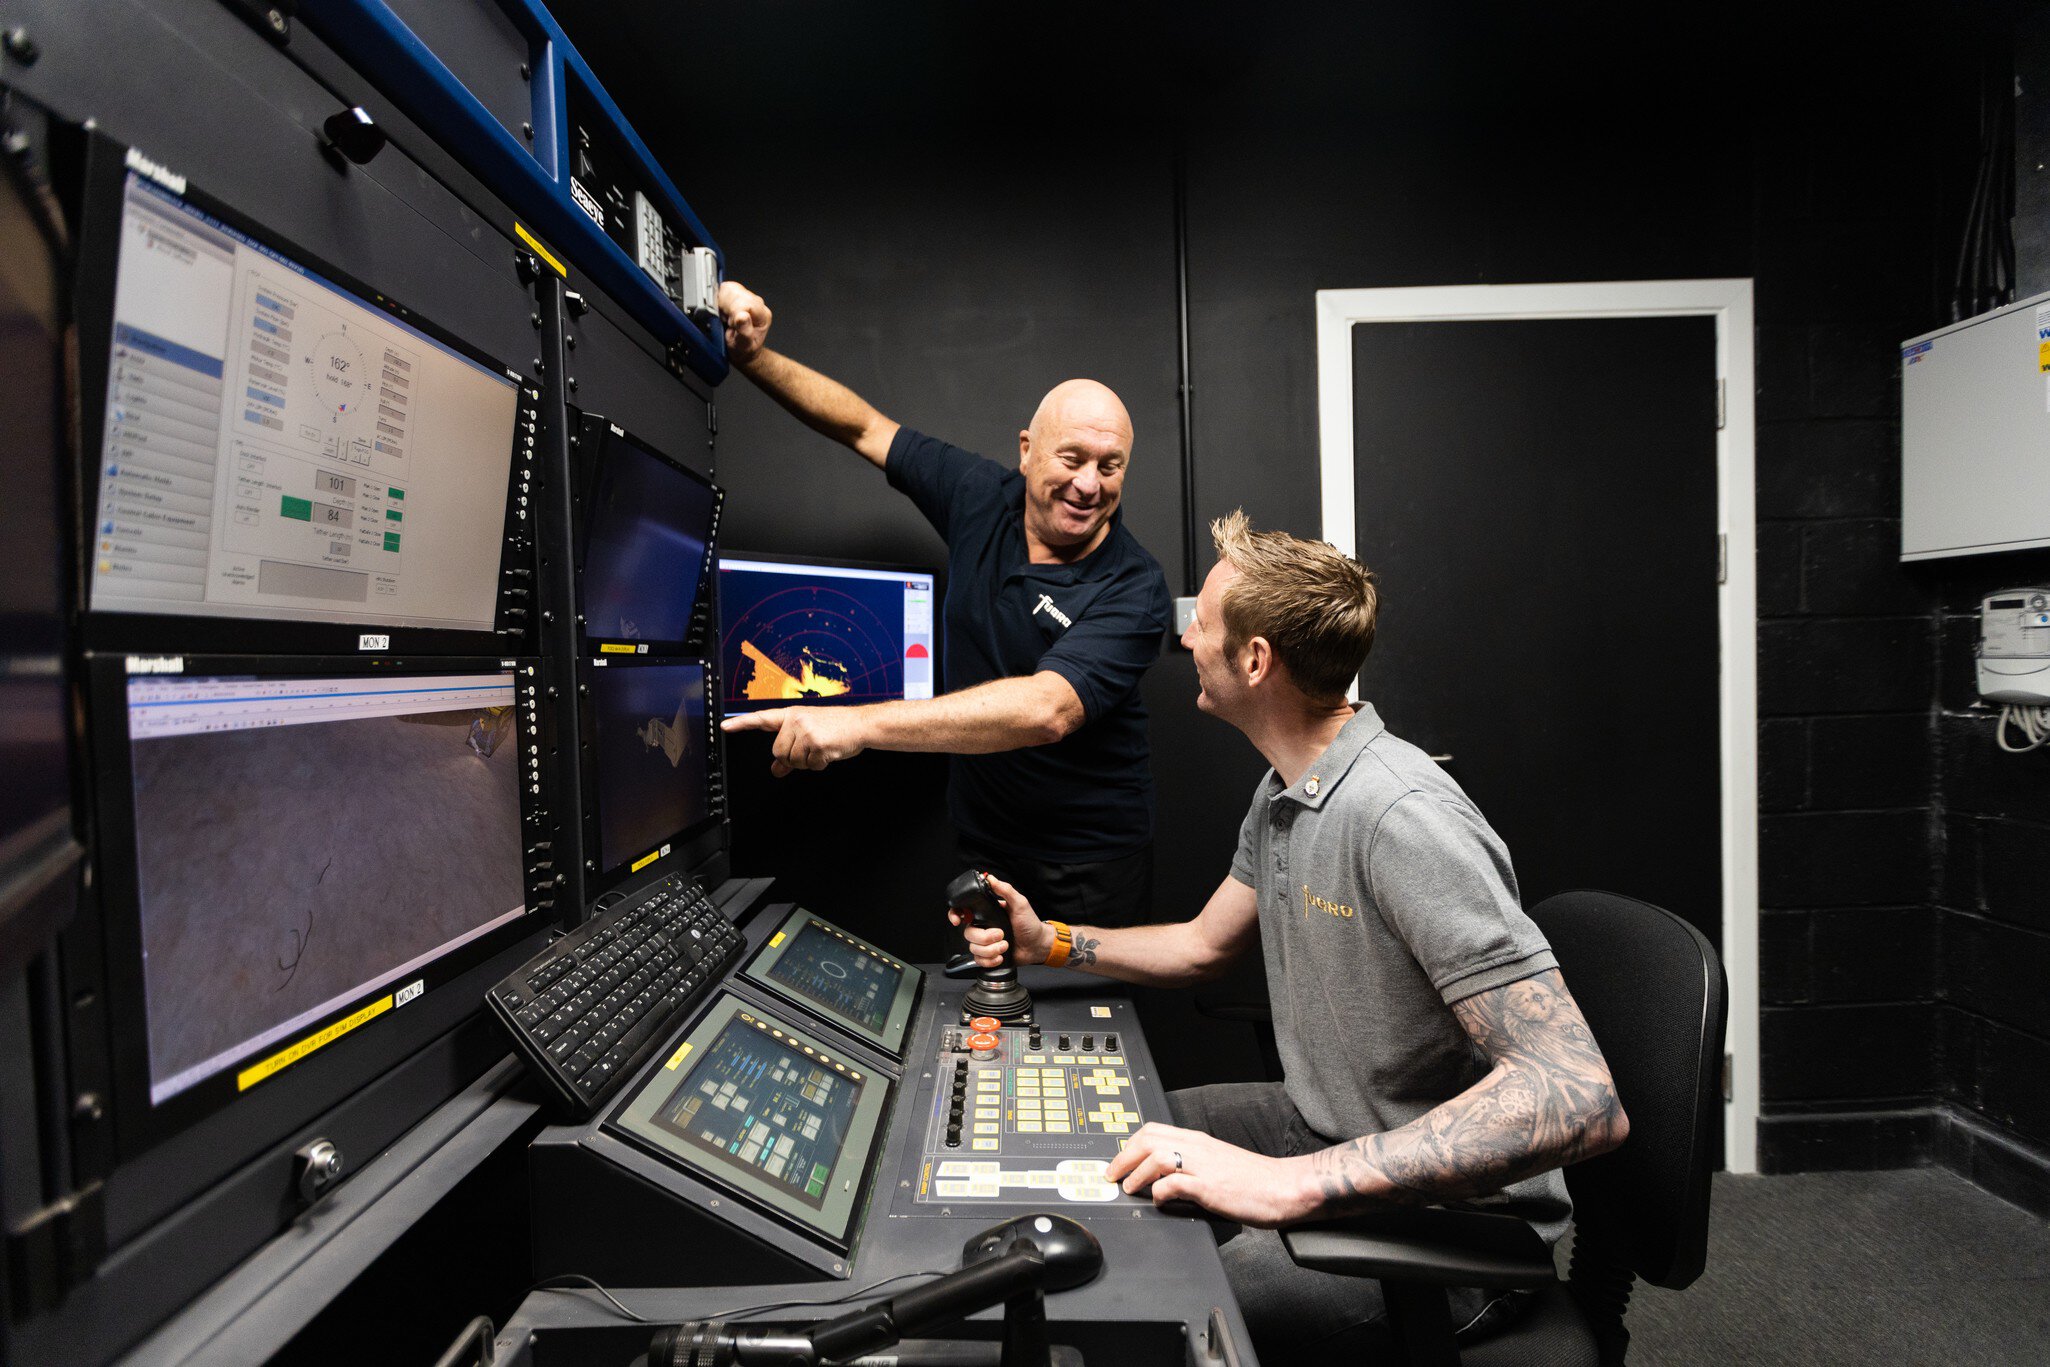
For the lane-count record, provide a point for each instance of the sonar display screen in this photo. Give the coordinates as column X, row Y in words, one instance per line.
column 812, row 633
column 650, row 531
column 761, row 1101
column 829, row 969
column 652, row 748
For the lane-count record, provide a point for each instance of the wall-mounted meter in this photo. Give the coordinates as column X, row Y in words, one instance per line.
column 2014, row 646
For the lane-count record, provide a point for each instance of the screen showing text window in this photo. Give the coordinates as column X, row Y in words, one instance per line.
column 277, row 447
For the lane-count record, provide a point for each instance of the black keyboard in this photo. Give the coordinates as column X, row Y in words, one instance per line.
column 586, row 1011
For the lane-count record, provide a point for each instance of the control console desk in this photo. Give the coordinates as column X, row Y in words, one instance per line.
column 833, row 1117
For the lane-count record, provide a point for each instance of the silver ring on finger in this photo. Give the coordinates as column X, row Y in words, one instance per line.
column 1177, row 1159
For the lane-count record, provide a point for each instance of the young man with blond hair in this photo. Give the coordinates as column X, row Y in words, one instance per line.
column 1431, row 1052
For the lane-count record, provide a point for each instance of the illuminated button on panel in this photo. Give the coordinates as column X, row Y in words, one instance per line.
column 1081, row 1179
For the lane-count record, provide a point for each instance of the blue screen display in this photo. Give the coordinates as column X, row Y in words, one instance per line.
column 650, row 524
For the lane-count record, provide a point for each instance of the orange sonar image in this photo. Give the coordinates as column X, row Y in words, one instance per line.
column 813, row 678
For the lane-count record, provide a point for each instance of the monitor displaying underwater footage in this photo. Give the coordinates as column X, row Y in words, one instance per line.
column 652, row 759
column 309, row 851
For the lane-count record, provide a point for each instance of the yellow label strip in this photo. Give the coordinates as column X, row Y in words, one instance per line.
column 611, row 648
column 644, row 861
column 776, row 939
column 677, row 1057
column 286, row 1057
column 535, row 243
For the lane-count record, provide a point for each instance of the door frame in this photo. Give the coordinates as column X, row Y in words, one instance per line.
column 1729, row 303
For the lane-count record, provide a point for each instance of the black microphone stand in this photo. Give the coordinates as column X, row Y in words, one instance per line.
column 1013, row 1264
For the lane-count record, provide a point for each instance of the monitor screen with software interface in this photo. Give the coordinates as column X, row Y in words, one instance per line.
column 277, row 446
column 797, row 632
column 304, row 843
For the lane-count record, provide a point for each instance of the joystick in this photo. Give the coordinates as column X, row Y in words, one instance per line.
column 997, row 992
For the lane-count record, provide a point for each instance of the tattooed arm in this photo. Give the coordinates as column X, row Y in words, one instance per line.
column 1547, row 1101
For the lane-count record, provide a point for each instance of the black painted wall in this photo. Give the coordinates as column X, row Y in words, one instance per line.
column 953, row 209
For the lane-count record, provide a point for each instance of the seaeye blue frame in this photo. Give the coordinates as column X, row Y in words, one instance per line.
column 534, row 182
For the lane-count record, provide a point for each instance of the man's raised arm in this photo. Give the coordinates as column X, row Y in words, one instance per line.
column 824, row 405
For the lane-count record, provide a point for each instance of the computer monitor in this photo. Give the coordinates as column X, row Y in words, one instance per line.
column 840, row 978
column 649, row 527
column 277, row 442
column 816, row 631
column 295, row 849
column 767, row 1111
column 654, row 772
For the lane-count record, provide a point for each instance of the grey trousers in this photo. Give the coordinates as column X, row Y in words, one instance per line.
column 1297, row 1315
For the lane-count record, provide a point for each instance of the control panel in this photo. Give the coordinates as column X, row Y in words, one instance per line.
column 1028, row 1113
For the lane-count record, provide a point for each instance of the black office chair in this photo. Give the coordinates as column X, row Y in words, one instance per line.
column 1652, row 990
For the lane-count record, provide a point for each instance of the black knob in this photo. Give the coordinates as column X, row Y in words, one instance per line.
column 354, row 134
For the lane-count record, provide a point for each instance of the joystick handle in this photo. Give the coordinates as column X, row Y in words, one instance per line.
column 997, row 993
column 971, row 892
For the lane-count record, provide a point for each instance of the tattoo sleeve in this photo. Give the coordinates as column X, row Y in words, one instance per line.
column 1548, row 1101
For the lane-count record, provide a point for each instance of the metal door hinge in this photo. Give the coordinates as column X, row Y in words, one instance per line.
column 55, row 1249
column 1722, row 403
column 1729, row 1067
column 1722, row 557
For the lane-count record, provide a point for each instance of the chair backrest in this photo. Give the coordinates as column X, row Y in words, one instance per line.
column 1652, row 990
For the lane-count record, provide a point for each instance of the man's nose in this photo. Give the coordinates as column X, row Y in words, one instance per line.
column 1087, row 481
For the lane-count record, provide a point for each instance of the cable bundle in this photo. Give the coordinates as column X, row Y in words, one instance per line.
column 2031, row 719
column 1985, row 260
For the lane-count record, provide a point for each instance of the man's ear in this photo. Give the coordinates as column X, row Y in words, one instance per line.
column 1257, row 659
column 1024, row 446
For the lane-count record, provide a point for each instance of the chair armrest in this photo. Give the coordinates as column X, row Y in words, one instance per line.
column 1432, row 1245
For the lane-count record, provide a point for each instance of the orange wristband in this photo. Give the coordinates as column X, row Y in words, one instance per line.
column 1063, row 944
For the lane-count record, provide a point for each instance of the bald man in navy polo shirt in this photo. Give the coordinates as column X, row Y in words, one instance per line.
column 1053, row 613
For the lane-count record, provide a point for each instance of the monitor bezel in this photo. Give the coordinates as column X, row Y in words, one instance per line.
column 717, row 646
column 94, row 286
column 139, row 1123
column 889, row 1038
column 596, row 435
column 684, row 850
column 869, row 1126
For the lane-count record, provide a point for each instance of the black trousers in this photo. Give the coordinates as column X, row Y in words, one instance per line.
column 1112, row 892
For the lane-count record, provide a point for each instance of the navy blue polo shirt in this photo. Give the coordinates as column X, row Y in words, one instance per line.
column 1098, row 623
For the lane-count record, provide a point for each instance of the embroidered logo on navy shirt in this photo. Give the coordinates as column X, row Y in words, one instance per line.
column 1046, row 606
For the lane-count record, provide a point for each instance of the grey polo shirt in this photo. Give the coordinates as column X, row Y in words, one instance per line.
column 1384, row 898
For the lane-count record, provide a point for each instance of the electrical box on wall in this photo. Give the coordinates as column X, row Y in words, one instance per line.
column 2014, row 646
column 1975, row 435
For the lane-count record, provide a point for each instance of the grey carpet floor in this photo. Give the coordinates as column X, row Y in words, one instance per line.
column 1856, row 1268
